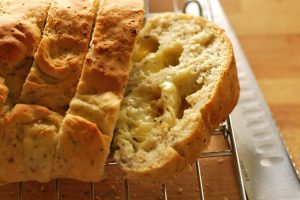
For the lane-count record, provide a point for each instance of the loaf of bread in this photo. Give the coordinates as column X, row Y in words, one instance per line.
column 61, row 89
column 43, row 134
column 183, row 83
column 93, row 110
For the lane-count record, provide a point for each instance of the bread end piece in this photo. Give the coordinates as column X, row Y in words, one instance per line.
column 182, row 86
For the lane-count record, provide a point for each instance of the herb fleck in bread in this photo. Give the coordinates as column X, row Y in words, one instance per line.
column 182, row 85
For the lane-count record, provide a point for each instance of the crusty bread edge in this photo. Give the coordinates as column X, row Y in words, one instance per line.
column 217, row 108
column 105, row 7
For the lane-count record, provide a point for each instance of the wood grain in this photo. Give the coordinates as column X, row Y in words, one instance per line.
column 269, row 33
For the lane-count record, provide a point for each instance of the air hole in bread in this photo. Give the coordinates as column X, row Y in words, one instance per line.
column 149, row 145
column 172, row 55
column 145, row 46
column 157, row 108
column 184, row 106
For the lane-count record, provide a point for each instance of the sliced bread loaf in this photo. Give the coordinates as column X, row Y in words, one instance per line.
column 86, row 131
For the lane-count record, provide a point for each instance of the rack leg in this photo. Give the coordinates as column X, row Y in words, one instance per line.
column 20, row 191
column 200, row 183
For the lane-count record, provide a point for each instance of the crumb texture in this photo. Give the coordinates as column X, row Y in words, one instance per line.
column 181, row 66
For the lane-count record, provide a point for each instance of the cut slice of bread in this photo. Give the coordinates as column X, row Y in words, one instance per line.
column 182, row 85
column 86, row 132
column 57, row 65
column 27, row 145
column 21, row 26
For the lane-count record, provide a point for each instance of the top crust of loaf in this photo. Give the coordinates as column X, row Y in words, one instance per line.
column 36, row 142
column 58, row 61
column 94, row 108
column 182, row 85
column 21, row 25
column 33, row 10
column 107, row 64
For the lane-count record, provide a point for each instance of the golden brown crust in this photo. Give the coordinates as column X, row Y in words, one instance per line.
column 4, row 105
column 28, row 138
column 94, row 108
column 57, row 67
column 20, row 33
column 169, row 162
column 33, row 10
column 114, row 36
column 34, row 143
column 17, row 44
column 107, row 64
column 80, row 150
column 18, row 40
column 20, row 27
column 225, row 95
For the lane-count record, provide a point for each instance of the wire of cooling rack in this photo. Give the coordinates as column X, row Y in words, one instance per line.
column 225, row 129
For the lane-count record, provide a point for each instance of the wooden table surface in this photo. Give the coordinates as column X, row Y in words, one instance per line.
column 269, row 32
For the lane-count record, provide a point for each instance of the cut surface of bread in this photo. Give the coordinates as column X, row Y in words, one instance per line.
column 85, row 135
column 183, row 83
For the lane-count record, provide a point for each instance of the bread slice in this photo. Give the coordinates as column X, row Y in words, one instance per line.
column 21, row 27
column 57, row 66
column 85, row 135
column 27, row 145
column 182, row 85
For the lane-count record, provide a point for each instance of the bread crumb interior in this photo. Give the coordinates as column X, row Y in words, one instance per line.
column 174, row 66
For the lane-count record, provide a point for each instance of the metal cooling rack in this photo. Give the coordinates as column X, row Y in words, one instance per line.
column 224, row 129
column 203, row 8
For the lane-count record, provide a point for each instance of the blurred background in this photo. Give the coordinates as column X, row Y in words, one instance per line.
column 269, row 32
